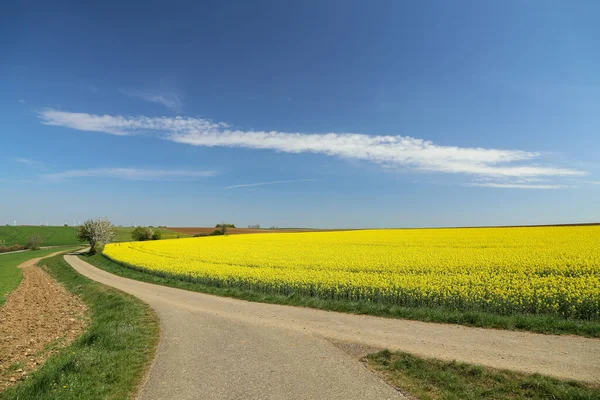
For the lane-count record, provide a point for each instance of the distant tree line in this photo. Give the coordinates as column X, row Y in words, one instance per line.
column 221, row 230
column 225, row 225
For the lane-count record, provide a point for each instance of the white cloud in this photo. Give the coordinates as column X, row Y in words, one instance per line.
column 519, row 186
column 134, row 174
column 268, row 183
column 594, row 183
column 27, row 161
column 22, row 101
column 170, row 100
column 90, row 122
column 521, row 180
column 404, row 151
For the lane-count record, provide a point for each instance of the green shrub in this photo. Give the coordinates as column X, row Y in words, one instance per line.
column 34, row 241
column 140, row 234
column 14, row 247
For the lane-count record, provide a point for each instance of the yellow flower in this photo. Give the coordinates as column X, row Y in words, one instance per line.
column 541, row 270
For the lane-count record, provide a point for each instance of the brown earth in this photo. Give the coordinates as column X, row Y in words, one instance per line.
column 38, row 318
column 237, row 231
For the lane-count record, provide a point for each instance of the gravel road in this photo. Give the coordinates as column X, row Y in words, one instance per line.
column 221, row 348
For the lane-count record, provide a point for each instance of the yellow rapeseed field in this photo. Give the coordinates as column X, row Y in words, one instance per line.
column 542, row 270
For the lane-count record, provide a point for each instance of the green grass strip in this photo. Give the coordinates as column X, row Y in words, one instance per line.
column 110, row 359
column 533, row 323
column 429, row 379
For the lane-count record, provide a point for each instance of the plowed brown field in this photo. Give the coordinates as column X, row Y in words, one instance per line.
column 237, row 231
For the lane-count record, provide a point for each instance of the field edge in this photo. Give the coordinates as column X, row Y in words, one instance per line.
column 431, row 379
column 11, row 275
column 111, row 359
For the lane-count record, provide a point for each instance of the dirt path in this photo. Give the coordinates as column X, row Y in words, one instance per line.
column 22, row 251
column 222, row 348
column 39, row 317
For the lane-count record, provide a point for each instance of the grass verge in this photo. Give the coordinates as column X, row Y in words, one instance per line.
column 10, row 275
column 429, row 379
column 110, row 359
column 533, row 323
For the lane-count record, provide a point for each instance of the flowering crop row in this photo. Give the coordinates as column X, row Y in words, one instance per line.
column 542, row 270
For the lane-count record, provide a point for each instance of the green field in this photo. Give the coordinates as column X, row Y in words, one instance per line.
column 65, row 235
column 53, row 235
column 10, row 275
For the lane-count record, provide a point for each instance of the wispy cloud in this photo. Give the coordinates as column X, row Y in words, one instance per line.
column 27, row 181
column 90, row 122
column 594, row 182
column 28, row 161
column 134, row 174
column 31, row 164
column 520, row 186
column 268, row 183
column 170, row 100
column 403, row 151
column 22, row 101
column 91, row 88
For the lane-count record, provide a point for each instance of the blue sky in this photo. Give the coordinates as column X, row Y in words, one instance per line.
column 313, row 113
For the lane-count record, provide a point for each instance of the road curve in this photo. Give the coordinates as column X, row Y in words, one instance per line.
column 207, row 352
column 222, row 348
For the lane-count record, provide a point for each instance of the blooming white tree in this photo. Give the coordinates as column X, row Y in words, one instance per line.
column 96, row 231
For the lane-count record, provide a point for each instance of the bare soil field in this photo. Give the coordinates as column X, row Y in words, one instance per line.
column 237, row 231
column 38, row 318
